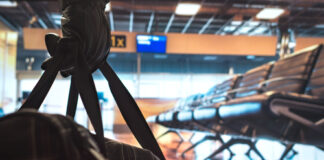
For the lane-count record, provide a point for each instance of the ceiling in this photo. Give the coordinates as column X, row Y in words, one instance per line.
column 225, row 17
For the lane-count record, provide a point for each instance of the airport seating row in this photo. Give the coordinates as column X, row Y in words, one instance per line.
column 281, row 100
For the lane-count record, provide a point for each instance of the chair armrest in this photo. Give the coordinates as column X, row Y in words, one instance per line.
column 238, row 90
column 282, row 79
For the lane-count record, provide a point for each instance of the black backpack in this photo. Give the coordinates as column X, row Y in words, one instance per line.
column 83, row 49
column 30, row 135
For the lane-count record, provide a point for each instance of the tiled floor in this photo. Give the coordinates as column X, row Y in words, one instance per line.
column 171, row 145
column 271, row 150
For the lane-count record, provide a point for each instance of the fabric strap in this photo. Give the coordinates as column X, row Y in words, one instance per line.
column 39, row 92
column 131, row 112
column 73, row 99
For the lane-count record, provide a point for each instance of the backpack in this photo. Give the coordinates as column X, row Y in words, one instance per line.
column 83, row 49
column 31, row 135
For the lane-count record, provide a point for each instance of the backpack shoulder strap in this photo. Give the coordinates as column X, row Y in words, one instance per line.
column 131, row 112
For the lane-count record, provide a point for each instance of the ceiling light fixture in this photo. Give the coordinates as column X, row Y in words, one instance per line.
column 8, row 4
column 270, row 13
column 187, row 9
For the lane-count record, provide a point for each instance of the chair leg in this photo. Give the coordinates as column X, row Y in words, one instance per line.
column 289, row 147
column 221, row 148
column 237, row 141
column 294, row 153
column 256, row 150
column 166, row 132
column 248, row 153
column 177, row 133
column 193, row 134
column 183, row 154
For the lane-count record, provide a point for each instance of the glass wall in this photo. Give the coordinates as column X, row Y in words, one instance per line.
column 148, row 86
column 8, row 51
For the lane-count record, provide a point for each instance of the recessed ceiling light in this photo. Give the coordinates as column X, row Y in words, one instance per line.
column 108, row 7
column 8, row 4
column 270, row 13
column 187, row 9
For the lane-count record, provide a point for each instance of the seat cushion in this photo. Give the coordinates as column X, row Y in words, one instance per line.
column 205, row 113
column 219, row 93
column 251, row 80
column 297, row 65
column 167, row 119
column 185, row 116
column 260, row 113
column 315, row 86
column 151, row 119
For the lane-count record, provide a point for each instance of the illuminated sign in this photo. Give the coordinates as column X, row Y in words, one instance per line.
column 151, row 43
column 118, row 41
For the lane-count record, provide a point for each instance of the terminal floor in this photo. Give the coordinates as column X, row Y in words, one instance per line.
column 270, row 149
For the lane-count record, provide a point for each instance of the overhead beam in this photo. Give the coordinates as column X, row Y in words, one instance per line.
column 111, row 20
column 305, row 31
column 150, row 24
column 131, row 21
column 167, row 28
column 184, row 30
column 170, row 8
column 250, row 32
column 50, row 19
column 237, row 29
column 303, row 1
column 210, row 20
column 220, row 30
column 33, row 13
column 7, row 23
column 41, row 22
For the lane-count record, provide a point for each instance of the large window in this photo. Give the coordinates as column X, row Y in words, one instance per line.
column 148, row 86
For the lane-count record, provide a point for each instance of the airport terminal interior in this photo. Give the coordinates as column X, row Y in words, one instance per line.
column 214, row 79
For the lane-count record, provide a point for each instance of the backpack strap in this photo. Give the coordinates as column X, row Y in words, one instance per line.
column 52, row 67
column 81, row 81
column 85, row 85
column 73, row 99
column 131, row 112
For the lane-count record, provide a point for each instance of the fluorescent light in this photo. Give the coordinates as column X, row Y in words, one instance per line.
column 108, row 7
column 8, row 4
column 270, row 13
column 187, row 9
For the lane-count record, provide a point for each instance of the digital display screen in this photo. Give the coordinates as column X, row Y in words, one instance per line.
column 151, row 44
